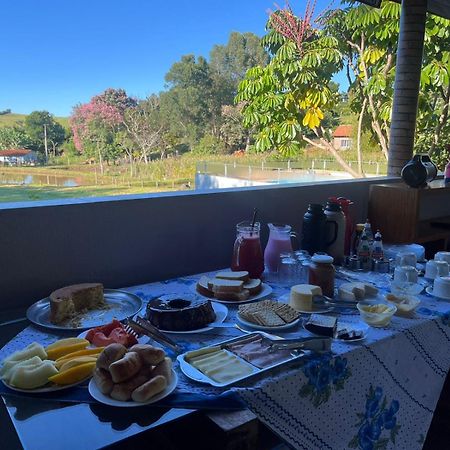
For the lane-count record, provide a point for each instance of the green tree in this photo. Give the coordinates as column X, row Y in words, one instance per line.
column 44, row 131
column 14, row 137
column 242, row 52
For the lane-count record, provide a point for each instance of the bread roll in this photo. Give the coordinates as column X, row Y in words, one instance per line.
column 164, row 368
column 110, row 354
column 122, row 391
column 103, row 380
column 150, row 355
column 149, row 389
column 126, row 367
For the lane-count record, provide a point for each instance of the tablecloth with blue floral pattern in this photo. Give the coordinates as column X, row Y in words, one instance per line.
column 379, row 393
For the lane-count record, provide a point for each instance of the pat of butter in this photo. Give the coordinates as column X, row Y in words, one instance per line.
column 302, row 295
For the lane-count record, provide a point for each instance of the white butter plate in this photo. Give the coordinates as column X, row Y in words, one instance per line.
column 429, row 290
column 265, row 291
column 255, row 326
column 102, row 398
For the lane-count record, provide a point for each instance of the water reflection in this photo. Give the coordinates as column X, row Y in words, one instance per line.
column 36, row 179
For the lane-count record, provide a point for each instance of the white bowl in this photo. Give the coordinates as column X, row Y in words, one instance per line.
column 375, row 313
column 406, row 304
column 406, row 288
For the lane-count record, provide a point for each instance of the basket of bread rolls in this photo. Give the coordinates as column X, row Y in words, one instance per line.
column 138, row 373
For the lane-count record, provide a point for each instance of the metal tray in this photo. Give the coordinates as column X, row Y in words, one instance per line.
column 194, row 374
column 121, row 306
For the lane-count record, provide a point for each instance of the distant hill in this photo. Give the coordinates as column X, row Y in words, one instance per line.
column 8, row 120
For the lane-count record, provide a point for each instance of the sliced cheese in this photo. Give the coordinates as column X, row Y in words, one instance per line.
column 302, row 296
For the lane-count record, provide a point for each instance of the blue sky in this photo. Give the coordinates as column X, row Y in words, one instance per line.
column 55, row 54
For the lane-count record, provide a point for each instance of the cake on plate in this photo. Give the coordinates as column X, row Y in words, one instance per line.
column 67, row 302
column 180, row 312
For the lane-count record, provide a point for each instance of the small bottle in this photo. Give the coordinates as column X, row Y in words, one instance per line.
column 368, row 232
column 447, row 175
column 364, row 252
column 357, row 237
column 377, row 249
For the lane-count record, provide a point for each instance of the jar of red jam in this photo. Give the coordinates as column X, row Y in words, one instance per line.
column 322, row 273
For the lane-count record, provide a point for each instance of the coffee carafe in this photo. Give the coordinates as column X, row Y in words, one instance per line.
column 315, row 237
column 334, row 214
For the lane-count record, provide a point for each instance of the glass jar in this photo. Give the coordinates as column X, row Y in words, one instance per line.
column 247, row 251
column 322, row 273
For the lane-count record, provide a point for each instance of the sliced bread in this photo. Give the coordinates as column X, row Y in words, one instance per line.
column 202, row 287
column 217, row 284
column 254, row 285
column 236, row 296
column 238, row 275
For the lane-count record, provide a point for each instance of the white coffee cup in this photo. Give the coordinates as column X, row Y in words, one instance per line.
column 442, row 256
column 441, row 287
column 405, row 274
column 435, row 269
column 406, row 259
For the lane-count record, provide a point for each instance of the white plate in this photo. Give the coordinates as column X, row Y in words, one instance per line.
column 255, row 326
column 102, row 398
column 350, row 325
column 47, row 388
column 221, row 314
column 429, row 290
column 316, row 308
column 265, row 291
column 141, row 340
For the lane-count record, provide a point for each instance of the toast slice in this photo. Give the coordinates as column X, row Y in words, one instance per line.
column 229, row 275
column 202, row 287
column 254, row 285
column 217, row 284
column 237, row 296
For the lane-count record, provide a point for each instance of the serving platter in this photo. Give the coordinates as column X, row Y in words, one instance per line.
column 102, row 398
column 120, row 306
column 265, row 291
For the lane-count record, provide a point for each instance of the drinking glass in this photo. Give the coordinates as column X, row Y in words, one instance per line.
column 288, row 271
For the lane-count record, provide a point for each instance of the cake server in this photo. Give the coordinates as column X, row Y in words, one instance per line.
column 318, row 344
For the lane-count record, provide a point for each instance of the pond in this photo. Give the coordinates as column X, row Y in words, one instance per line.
column 37, row 179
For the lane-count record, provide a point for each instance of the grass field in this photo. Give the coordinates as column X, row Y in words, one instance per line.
column 9, row 120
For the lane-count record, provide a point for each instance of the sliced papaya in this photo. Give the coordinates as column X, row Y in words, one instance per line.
column 85, row 352
column 74, row 374
column 65, row 342
column 57, row 352
column 77, row 361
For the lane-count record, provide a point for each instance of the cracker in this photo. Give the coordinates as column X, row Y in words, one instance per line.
column 268, row 318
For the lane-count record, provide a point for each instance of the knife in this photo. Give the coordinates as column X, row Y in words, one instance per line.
column 319, row 344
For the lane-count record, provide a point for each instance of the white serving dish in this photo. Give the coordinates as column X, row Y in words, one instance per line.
column 376, row 319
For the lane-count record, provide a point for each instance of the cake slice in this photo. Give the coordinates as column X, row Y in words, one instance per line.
column 66, row 302
column 322, row 325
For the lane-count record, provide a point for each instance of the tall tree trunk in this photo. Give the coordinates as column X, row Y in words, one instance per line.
column 442, row 120
column 358, row 138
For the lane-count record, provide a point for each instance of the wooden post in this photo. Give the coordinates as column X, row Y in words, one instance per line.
column 407, row 83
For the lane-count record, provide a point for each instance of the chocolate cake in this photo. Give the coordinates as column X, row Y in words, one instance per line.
column 180, row 312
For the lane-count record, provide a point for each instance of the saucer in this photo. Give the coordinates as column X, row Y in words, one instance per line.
column 429, row 290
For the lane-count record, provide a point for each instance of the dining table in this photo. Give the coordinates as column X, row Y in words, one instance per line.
column 378, row 392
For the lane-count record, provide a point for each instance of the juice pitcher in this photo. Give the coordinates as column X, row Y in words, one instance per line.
column 279, row 242
column 247, row 251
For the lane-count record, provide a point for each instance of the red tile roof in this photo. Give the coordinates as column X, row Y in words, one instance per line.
column 15, row 152
column 343, row 131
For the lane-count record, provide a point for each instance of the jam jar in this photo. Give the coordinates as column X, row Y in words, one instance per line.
column 322, row 273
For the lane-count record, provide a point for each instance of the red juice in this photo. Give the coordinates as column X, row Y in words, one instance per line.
column 247, row 255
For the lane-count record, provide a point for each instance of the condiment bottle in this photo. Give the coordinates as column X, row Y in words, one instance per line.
column 368, row 232
column 322, row 273
column 364, row 252
column 377, row 249
column 358, row 233
column 247, row 251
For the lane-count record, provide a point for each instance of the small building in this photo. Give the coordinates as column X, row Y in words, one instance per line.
column 342, row 139
column 18, row 156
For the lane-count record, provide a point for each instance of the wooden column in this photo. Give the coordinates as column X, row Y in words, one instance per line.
column 407, row 83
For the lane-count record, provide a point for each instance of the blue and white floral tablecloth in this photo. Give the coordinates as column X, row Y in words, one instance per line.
column 377, row 394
